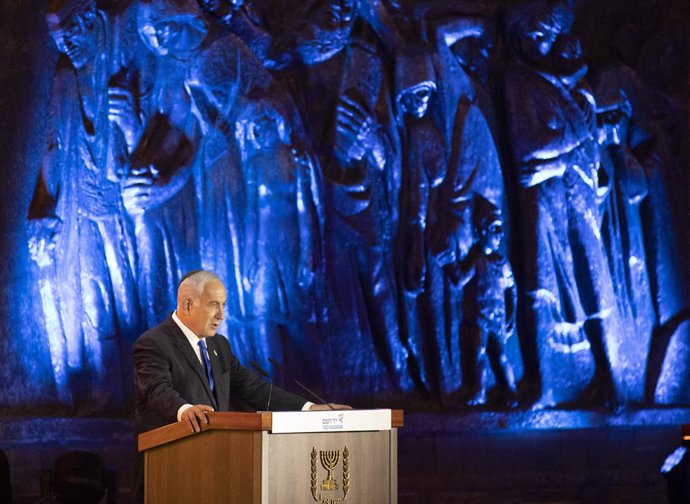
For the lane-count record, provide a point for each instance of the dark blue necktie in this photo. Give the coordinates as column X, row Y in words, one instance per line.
column 207, row 365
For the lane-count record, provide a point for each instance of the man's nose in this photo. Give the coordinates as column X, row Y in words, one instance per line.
column 220, row 315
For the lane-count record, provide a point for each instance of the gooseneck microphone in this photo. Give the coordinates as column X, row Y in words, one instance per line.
column 264, row 374
column 280, row 368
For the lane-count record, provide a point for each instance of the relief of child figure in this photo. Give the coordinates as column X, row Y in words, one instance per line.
column 489, row 303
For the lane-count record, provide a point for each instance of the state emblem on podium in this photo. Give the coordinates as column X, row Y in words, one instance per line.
column 330, row 460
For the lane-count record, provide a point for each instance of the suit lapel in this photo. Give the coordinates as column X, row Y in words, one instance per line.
column 186, row 350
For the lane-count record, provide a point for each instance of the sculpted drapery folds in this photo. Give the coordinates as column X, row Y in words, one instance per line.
column 642, row 167
column 474, row 170
column 217, row 80
column 622, row 229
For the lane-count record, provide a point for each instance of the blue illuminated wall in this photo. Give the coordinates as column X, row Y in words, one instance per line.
column 432, row 204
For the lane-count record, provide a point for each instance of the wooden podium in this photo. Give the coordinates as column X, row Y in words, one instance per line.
column 329, row 457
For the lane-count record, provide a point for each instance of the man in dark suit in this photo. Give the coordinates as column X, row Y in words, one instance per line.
column 171, row 377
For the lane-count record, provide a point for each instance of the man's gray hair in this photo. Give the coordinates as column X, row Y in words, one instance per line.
column 195, row 281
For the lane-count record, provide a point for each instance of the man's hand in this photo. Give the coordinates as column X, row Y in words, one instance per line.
column 195, row 416
column 329, row 406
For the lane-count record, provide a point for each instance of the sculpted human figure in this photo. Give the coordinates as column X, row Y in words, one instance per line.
column 352, row 130
column 648, row 141
column 657, row 244
column 282, row 233
column 363, row 179
column 464, row 47
column 424, row 159
column 623, row 235
column 489, row 308
column 249, row 25
column 567, row 287
column 90, row 300
column 424, row 164
column 220, row 192
column 661, row 151
column 158, row 189
column 256, row 177
column 473, row 168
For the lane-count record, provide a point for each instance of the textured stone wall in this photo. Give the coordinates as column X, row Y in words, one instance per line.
column 431, row 204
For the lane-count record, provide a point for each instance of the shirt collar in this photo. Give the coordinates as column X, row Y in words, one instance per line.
column 189, row 334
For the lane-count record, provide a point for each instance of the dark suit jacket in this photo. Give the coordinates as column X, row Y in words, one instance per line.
column 168, row 374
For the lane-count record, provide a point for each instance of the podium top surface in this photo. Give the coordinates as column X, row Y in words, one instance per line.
column 278, row 422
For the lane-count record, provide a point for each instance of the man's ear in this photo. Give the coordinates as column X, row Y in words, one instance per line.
column 186, row 304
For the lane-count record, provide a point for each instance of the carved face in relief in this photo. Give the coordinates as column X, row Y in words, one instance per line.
column 537, row 40
column 491, row 236
column 264, row 132
column 415, row 101
column 614, row 123
column 261, row 125
column 325, row 31
column 539, row 34
column 73, row 28
column 171, row 28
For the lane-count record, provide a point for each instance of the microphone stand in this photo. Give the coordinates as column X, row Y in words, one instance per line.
column 280, row 368
column 264, row 374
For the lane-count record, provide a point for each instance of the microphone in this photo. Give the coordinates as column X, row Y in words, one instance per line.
column 280, row 368
column 264, row 374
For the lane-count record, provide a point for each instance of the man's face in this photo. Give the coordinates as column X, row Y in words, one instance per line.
column 416, row 101
column 204, row 314
column 74, row 35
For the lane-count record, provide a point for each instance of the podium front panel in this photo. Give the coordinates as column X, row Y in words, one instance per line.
column 215, row 467
column 329, row 468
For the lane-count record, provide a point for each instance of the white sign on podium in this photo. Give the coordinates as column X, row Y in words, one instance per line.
column 286, row 422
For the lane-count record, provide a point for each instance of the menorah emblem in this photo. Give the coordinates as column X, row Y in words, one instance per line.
column 329, row 460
